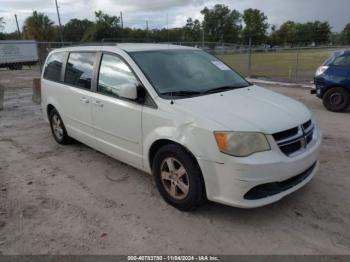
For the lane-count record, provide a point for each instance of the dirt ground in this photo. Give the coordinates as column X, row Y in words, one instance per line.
column 73, row 200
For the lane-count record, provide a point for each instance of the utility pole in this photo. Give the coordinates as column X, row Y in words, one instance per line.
column 122, row 26
column 19, row 32
column 250, row 57
column 121, row 20
column 202, row 36
column 167, row 25
column 147, row 30
column 59, row 21
column 297, row 64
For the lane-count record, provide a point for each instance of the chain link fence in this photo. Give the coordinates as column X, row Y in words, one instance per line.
column 278, row 64
column 296, row 64
column 292, row 64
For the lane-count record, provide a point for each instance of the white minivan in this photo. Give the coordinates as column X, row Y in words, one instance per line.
column 184, row 116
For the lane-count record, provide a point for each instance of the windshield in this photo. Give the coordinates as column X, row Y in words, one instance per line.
column 176, row 73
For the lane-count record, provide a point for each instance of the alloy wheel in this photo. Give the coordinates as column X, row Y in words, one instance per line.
column 57, row 127
column 174, row 178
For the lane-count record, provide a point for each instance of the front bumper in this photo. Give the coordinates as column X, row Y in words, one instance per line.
column 229, row 182
column 320, row 87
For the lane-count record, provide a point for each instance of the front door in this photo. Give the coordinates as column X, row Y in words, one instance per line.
column 117, row 121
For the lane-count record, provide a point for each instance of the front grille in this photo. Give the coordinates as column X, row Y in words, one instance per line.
column 307, row 125
column 270, row 189
column 292, row 140
column 288, row 133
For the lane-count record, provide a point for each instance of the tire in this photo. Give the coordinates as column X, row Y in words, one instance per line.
column 58, row 129
column 15, row 67
column 183, row 171
column 336, row 99
column 18, row 67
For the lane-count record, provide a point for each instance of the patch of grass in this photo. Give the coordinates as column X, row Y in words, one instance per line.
column 281, row 65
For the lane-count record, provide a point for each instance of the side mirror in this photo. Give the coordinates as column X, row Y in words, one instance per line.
column 128, row 91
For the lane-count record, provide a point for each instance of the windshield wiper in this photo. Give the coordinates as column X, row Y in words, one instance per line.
column 221, row 89
column 182, row 93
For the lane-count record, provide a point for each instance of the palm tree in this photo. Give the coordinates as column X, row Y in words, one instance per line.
column 38, row 27
column 2, row 23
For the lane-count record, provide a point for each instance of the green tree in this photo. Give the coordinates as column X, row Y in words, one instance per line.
column 105, row 27
column 192, row 30
column 38, row 27
column 135, row 35
column 321, row 32
column 303, row 34
column 74, row 30
column 345, row 34
column 287, row 33
column 221, row 24
column 255, row 26
column 2, row 24
column 167, row 35
column 336, row 38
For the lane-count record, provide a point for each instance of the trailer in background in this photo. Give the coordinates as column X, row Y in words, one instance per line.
column 14, row 54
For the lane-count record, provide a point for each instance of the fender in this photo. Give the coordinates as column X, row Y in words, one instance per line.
column 188, row 135
column 51, row 101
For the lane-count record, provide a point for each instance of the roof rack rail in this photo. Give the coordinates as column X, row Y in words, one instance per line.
column 96, row 44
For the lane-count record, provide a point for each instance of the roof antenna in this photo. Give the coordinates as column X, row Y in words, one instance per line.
column 171, row 98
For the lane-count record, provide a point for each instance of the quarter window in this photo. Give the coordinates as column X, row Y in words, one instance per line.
column 114, row 73
column 54, row 66
column 79, row 69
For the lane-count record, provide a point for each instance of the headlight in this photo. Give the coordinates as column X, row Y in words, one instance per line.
column 321, row 70
column 241, row 144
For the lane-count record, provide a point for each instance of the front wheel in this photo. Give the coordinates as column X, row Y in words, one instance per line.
column 178, row 177
column 336, row 99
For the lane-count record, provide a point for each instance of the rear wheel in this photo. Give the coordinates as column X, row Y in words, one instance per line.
column 336, row 99
column 58, row 129
column 178, row 177
column 16, row 67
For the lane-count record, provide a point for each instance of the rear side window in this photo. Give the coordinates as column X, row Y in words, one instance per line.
column 342, row 61
column 54, row 66
column 79, row 69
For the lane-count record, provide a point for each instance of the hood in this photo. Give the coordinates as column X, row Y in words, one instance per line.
column 251, row 109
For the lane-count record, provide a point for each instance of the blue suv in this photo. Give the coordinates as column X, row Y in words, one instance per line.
column 332, row 81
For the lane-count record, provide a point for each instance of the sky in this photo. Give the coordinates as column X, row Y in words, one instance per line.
column 174, row 13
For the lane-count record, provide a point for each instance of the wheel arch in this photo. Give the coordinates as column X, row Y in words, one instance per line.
column 156, row 145
column 49, row 108
column 334, row 86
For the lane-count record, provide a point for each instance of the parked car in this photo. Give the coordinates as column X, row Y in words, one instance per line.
column 184, row 116
column 332, row 82
column 14, row 54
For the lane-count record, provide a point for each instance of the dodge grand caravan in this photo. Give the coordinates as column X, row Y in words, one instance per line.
column 184, row 116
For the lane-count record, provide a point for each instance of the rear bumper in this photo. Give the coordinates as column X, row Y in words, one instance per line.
column 232, row 182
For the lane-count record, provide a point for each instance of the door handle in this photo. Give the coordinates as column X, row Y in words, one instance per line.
column 84, row 100
column 98, row 103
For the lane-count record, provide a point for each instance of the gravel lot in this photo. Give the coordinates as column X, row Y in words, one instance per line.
column 73, row 200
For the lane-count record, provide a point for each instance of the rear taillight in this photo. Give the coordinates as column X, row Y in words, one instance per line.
column 321, row 70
